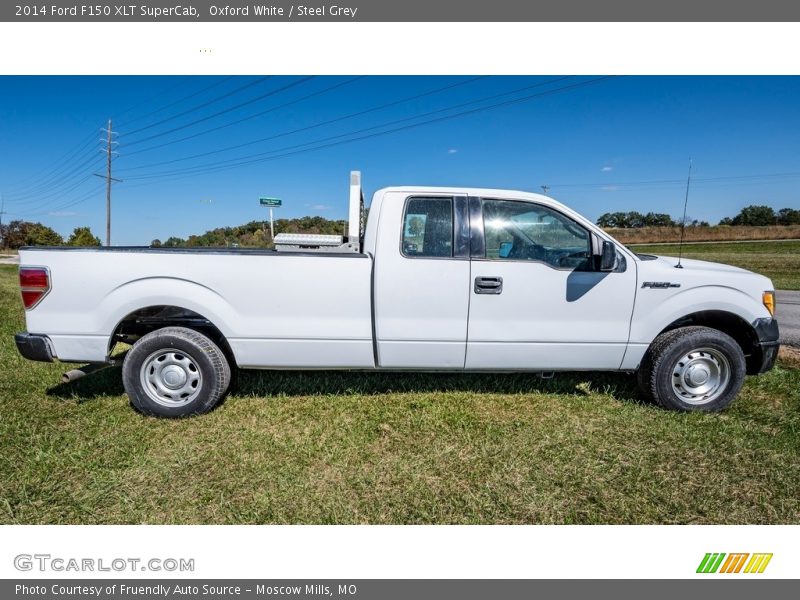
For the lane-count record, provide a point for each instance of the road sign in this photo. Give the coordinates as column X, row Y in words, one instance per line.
column 270, row 203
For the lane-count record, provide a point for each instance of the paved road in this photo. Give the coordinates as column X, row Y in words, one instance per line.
column 788, row 315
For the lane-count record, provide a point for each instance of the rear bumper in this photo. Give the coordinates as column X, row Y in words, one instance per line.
column 34, row 347
column 768, row 345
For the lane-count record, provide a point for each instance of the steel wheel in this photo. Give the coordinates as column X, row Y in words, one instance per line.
column 701, row 376
column 170, row 377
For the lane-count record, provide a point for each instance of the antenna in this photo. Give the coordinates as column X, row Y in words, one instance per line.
column 683, row 221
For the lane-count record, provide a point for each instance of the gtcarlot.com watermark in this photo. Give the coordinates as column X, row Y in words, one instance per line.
column 47, row 563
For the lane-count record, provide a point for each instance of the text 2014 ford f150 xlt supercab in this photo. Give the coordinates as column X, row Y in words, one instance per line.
column 452, row 279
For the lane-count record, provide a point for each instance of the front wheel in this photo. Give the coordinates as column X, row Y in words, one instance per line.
column 175, row 372
column 692, row 368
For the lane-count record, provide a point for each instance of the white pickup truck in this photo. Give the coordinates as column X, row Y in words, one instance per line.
column 438, row 279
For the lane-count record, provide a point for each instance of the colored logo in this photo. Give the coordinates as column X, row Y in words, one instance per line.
column 719, row 562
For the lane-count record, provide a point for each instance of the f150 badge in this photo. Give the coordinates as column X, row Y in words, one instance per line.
column 660, row 285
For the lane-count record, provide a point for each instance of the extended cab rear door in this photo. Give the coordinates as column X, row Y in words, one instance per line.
column 422, row 281
column 536, row 300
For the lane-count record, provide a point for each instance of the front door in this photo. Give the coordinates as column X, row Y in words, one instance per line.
column 536, row 300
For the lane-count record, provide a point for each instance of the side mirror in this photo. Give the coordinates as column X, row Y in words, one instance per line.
column 608, row 256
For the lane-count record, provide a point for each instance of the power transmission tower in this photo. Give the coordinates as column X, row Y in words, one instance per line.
column 545, row 189
column 109, row 150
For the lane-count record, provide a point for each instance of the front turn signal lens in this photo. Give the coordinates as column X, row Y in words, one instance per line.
column 768, row 298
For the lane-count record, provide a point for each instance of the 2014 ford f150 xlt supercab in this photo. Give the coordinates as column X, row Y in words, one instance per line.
column 449, row 279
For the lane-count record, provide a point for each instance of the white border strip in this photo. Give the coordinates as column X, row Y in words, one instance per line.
column 336, row 552
column 399, row 48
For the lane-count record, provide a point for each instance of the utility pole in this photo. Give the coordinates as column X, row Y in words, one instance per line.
column 2, row 212
column 109, row 150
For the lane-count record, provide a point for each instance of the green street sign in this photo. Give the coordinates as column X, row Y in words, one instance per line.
column 270, row 201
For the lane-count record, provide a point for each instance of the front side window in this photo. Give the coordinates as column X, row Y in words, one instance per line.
column 516, row 230
column 428, row 228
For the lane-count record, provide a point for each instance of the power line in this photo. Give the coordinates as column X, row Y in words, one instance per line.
column 357, row 114
column 56, row 195
column 61, row 175
column 247, row 118
column 324, row 123
column 253, row 158
column 69, row 204
column 171, row 104
column 52, row 175
column 222, row 112
column 57, row 188
column 200, row 106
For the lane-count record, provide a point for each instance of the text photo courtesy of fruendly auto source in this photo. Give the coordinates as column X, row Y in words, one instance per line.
column 399, row 299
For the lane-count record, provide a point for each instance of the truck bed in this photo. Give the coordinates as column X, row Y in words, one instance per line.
column 279, row 309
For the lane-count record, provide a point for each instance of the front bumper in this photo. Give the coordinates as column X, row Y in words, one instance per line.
column 766, row 350
column 34, row 347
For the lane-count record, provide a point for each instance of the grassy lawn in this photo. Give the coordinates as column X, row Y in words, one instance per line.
column 780, row 261
column 290, row 447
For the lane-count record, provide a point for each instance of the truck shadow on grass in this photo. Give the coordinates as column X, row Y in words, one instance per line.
column 269, row 384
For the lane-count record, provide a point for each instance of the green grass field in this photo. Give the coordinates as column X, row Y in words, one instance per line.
column 780, row 261
column 290, row 447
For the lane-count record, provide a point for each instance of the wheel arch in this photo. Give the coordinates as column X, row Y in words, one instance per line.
column 732, row 324
column 150, row 318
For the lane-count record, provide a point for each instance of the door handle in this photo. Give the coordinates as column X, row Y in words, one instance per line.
column 488, row 285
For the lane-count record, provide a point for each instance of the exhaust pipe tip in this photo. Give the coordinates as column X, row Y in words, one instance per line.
column 72, row 375
column 76, row 374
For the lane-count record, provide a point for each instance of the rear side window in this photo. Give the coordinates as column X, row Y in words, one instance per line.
column 428, row 228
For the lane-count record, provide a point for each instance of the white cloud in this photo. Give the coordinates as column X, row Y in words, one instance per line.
column 607, row 169
column 452, row 151
column 609, row 188
column 320, row 207
column 62, row 213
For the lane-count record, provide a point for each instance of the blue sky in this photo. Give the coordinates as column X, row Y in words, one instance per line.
column 618, row 144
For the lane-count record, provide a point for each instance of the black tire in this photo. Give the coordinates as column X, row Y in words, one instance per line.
column 673, row 368
column 175, row 372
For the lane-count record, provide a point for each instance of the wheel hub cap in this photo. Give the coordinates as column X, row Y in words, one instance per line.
column 170, row 377
column 174, row 377
column 700, row 376
column 697, row 375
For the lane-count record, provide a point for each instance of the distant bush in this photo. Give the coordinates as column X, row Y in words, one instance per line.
column 633, row 219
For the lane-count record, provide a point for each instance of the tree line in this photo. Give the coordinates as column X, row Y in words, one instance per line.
column 254, row 234
column 749, row 216
column 25, row 233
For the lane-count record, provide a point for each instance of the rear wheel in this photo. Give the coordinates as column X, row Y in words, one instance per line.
column 692, row 368
column 175, row 372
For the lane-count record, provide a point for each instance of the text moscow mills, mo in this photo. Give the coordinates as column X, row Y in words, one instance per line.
column 123, row 11
column 189, row 589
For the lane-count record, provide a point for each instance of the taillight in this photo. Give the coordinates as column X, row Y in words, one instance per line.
column 35, row 283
